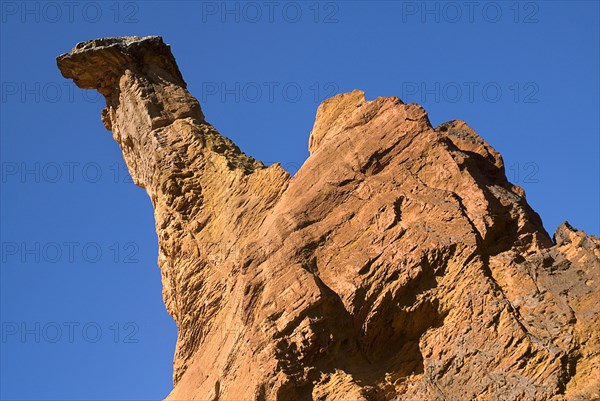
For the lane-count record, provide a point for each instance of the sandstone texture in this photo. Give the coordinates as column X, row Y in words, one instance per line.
column 398, row 263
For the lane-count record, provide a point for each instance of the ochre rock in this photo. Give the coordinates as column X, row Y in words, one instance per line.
column 399, row 263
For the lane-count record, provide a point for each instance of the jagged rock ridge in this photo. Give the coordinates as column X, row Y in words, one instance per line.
column 397, row 264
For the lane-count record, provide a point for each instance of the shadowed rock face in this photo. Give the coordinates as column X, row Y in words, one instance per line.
column 397, row 264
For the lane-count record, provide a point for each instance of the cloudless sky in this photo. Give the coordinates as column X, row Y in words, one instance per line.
column 81, row 306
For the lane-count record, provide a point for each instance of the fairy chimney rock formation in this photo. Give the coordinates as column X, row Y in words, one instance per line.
column 399, row 263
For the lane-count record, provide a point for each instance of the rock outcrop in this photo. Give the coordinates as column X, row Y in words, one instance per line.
column 398, row 263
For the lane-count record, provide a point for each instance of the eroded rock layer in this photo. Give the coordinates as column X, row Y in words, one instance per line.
column 399, row 263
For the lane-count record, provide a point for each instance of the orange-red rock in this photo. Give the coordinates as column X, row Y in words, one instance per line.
column 399, row 263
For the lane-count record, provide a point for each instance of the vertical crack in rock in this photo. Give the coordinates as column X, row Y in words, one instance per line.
column 398, row 264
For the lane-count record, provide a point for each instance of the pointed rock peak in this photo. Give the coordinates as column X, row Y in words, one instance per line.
column 564, row 234
column 348, row 110
column 466, row 139
column 332, row 110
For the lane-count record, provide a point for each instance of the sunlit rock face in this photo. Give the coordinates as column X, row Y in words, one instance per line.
column 399, row 263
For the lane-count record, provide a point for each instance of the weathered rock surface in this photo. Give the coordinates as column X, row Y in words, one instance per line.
column 397, row 264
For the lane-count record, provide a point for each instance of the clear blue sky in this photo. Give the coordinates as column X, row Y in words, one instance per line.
column 78, row 242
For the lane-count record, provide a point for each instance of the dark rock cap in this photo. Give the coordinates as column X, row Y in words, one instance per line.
column 96, row 64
